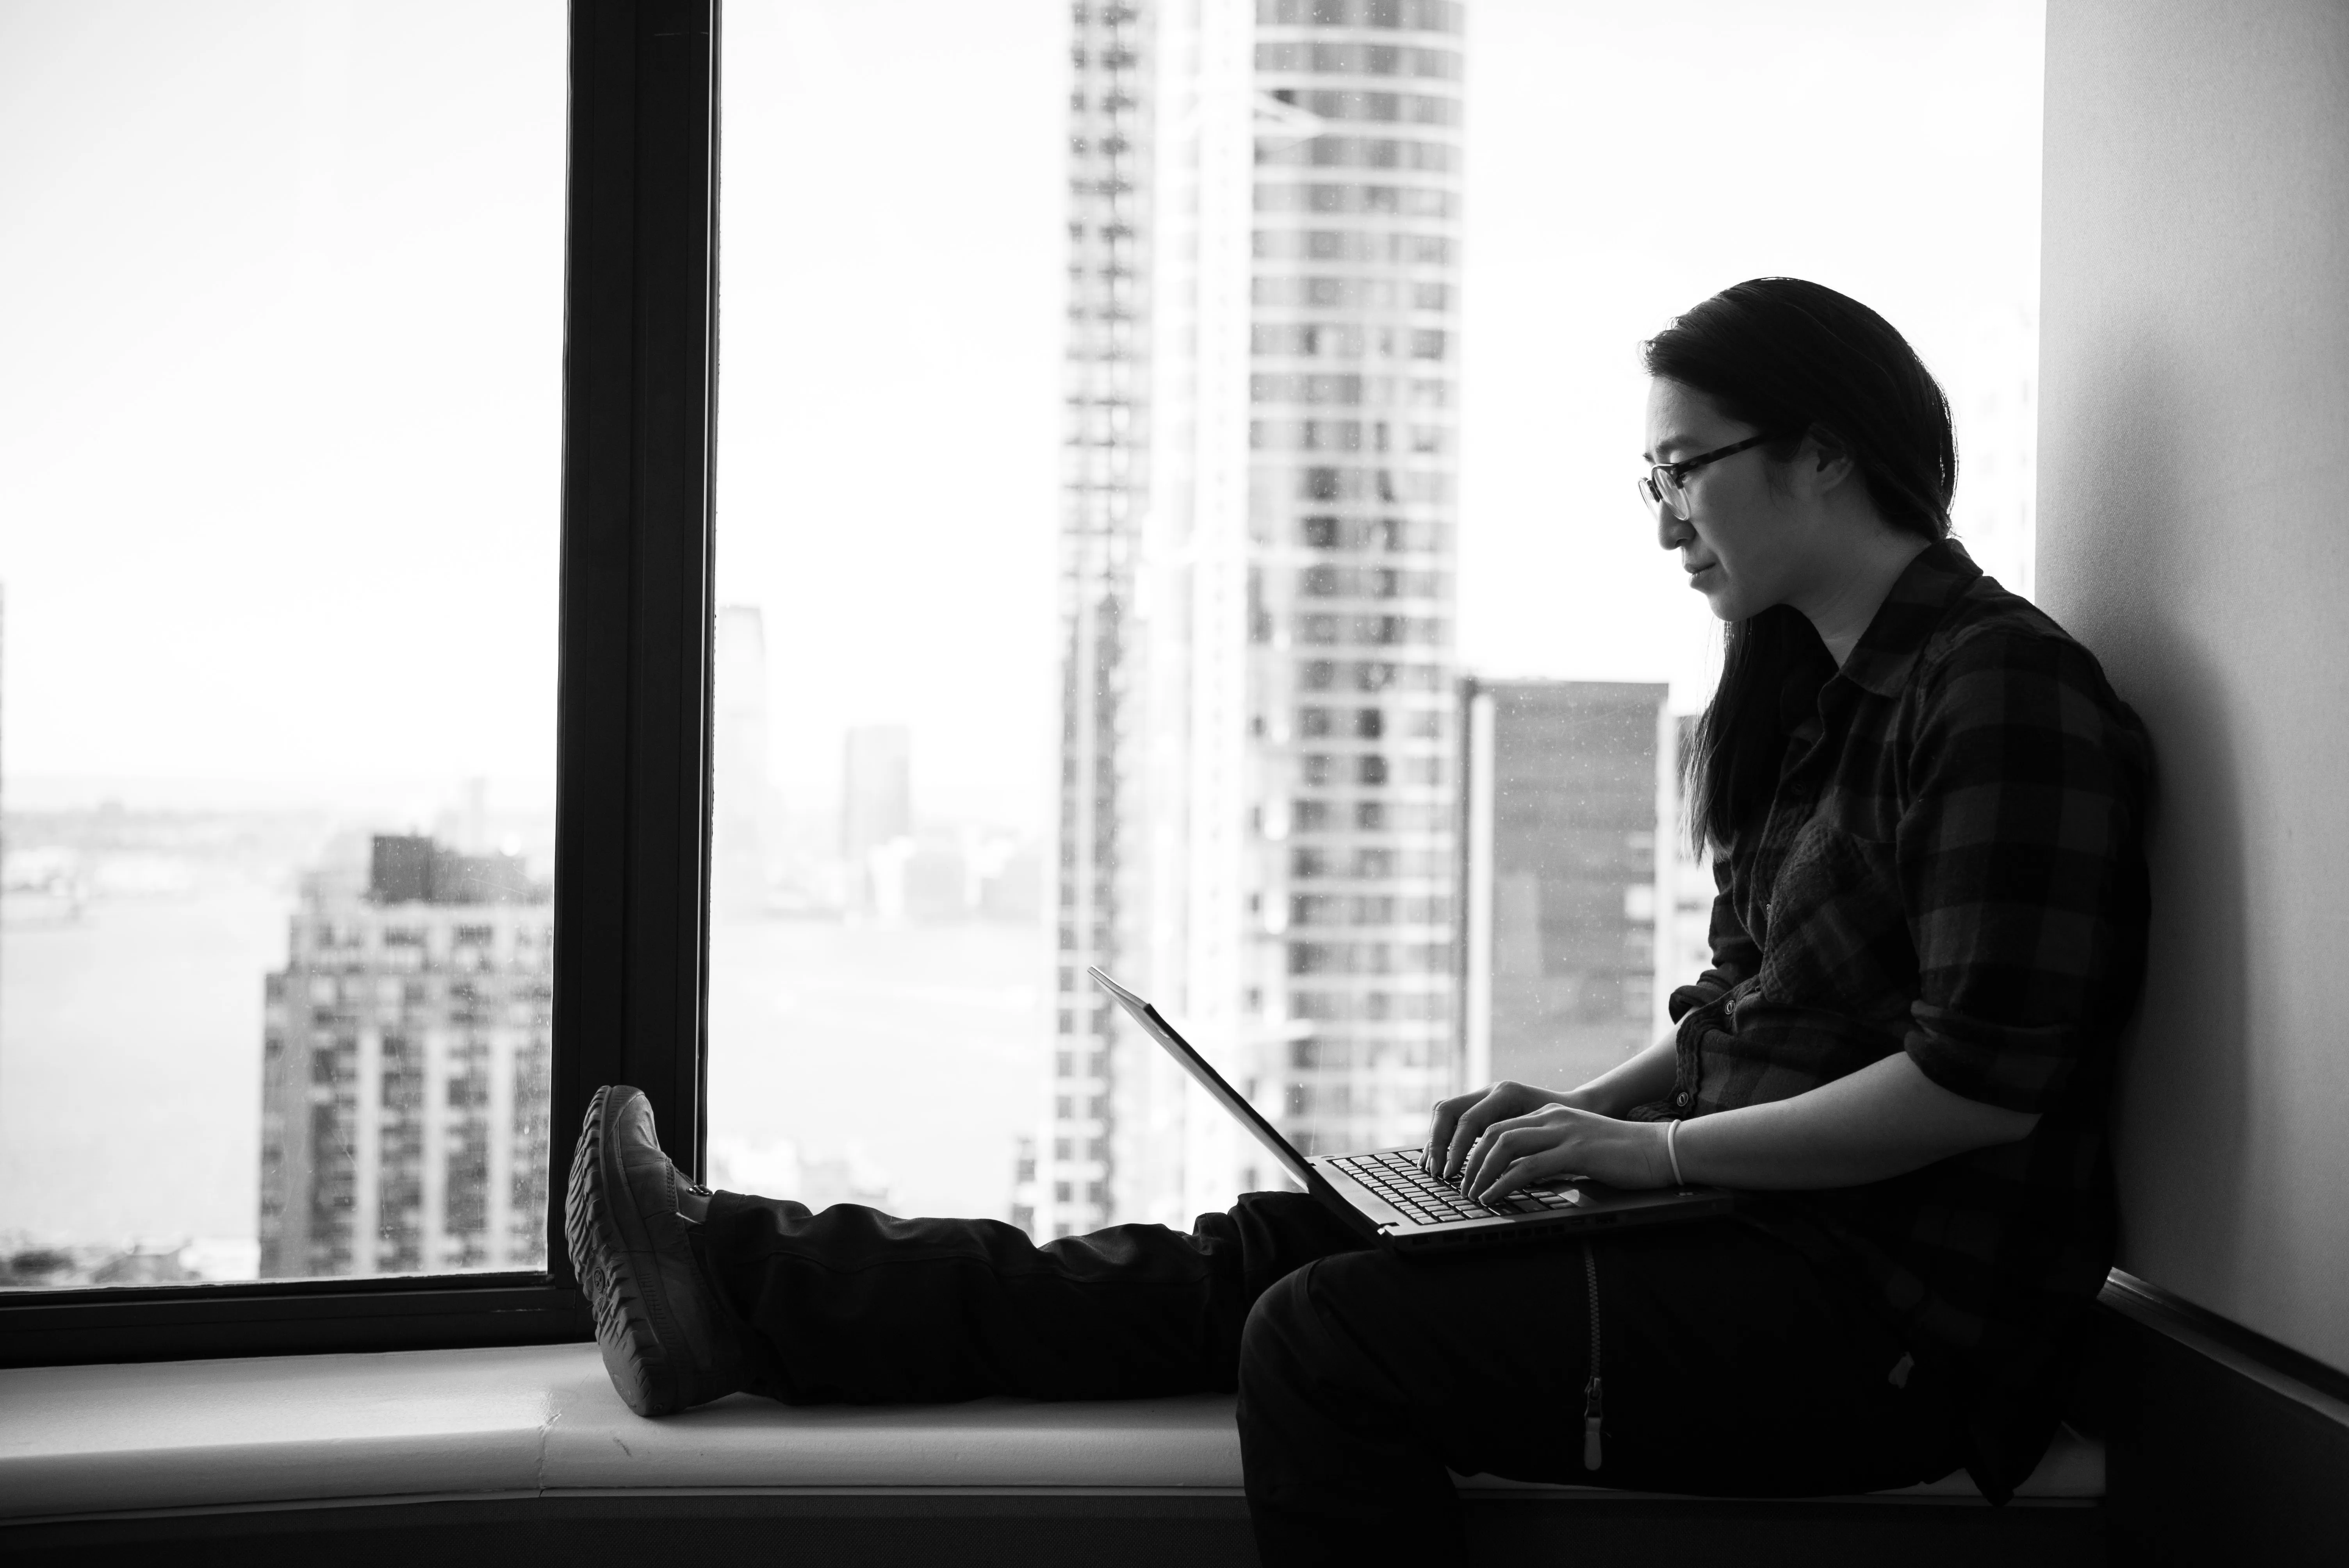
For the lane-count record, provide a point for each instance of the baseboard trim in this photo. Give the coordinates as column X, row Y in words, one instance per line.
column 2275, row 1366
column 2221, row 1445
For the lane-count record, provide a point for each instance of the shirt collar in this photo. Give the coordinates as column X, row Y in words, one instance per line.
column 1920, row 597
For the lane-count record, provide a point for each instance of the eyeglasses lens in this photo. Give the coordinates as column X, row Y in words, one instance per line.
column 1662, row 494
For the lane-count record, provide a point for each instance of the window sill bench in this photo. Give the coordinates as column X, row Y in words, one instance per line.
column 540, row 1424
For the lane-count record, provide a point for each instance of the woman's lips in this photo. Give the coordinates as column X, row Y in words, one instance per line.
column 1698, row 574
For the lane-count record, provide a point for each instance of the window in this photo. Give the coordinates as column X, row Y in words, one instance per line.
column 949, row 702
column 280, row 692
column 263, row 544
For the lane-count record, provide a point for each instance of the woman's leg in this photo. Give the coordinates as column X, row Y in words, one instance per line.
column 851, row 1303
column 1726, row 1365
column 694, row 1301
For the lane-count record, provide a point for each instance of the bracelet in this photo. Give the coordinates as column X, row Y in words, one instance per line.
column 1671, row 1131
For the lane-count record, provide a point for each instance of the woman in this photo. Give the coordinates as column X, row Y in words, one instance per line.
column 1923, row 803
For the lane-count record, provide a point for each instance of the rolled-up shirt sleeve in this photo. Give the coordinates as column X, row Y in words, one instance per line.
column 1736, row 954
column 2017, row 865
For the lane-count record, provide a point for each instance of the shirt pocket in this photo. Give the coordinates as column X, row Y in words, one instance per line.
column 1838, row 932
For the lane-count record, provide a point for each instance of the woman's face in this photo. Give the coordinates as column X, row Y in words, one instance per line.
column 1742, row 542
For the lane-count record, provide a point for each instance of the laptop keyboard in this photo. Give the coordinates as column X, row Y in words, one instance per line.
column 1394, row 1174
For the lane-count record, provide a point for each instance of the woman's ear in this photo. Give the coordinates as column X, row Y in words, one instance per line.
column 1825, row 462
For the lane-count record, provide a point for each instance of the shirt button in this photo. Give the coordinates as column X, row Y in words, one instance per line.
column 1681, row 1099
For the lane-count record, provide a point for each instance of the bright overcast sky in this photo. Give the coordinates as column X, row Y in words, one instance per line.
column 280, row 346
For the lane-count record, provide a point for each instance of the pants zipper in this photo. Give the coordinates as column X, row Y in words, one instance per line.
column 1592, row 1394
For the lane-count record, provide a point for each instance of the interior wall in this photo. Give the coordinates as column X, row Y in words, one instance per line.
column 2194, row 531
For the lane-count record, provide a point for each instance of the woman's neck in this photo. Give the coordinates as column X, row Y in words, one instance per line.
column 1847, row 600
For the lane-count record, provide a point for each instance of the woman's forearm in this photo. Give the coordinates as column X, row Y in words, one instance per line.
column 1634, row 1080
column 1884, row 1120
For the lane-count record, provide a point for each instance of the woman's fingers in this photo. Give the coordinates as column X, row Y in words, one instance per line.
column 1468, row 1135
column 1507, row 1144
column 1457, row 1147
column 1552, row 1132
column 1479, row 1115
column 1485, row 1160
column 1526, row 1165
column 1441, row 1121
column 1473, row 1144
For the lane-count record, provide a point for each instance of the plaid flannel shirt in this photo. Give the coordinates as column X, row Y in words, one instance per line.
column 1951, row 867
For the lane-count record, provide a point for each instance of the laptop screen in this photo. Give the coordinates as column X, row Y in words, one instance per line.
column 1208, row 1078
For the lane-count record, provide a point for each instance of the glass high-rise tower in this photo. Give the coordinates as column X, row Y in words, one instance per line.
column 1257, row 805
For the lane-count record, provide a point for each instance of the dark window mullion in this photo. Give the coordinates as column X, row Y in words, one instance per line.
column 632, row 816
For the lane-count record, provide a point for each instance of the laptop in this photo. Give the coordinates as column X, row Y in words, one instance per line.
column 1385, row 1194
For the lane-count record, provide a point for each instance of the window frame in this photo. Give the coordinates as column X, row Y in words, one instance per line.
column 632, row 769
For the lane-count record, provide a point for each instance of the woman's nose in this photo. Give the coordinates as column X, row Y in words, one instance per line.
column 1672, row 531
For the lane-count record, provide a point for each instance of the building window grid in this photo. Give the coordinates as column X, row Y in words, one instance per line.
column 1421, row 104
column 1106, row 428
column 1351, row 1091
column 1382, row 63
column 1377, row 19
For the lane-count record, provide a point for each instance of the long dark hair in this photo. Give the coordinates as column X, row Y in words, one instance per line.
column 1793, row 359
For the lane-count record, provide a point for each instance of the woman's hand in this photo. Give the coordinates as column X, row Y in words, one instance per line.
column 1476, row 1139
column 1459, row 1121
column 1562, row 1141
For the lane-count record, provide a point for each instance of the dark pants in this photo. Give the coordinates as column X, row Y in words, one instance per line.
column 1729, row 1364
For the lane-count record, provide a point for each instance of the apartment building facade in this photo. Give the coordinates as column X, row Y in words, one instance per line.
column 404, row 1070
column 1256, row 807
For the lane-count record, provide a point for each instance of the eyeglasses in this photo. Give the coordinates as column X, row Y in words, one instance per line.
column 1661, row 487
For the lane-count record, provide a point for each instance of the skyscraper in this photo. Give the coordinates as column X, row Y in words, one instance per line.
column 1566, row 832
column 1097, row 822
column 404, row 1070
column 1255, row 806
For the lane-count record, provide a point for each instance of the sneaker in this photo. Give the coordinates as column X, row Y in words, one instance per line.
column 665, row 1339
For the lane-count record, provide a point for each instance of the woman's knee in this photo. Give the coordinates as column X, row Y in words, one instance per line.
column 1298, row 1326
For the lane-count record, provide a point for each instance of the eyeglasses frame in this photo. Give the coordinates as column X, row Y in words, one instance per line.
column 1651, row 486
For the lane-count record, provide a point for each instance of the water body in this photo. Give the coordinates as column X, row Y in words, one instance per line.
column 130, row 1063
column 131, row 1035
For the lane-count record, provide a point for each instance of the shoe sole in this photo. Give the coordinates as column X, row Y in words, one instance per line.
column 605, row 1232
